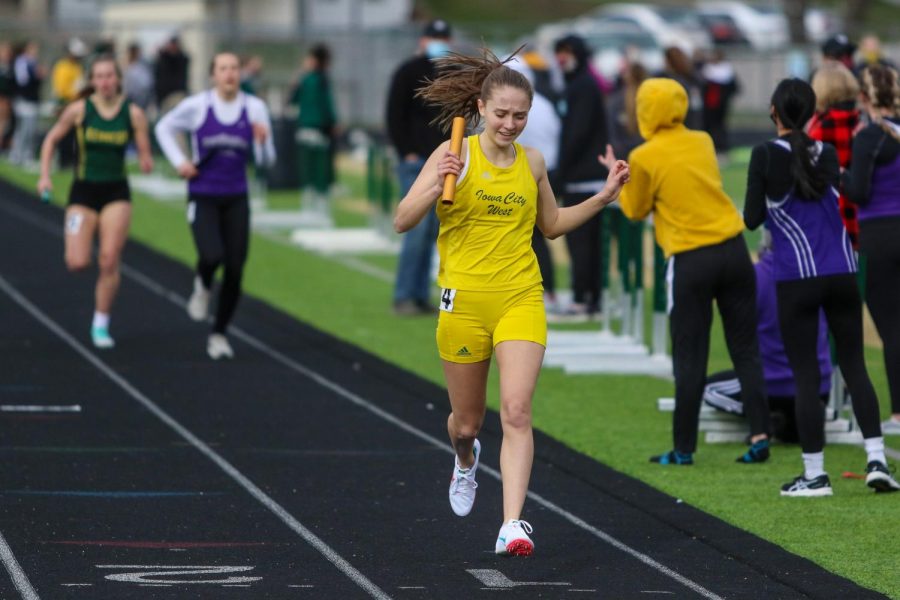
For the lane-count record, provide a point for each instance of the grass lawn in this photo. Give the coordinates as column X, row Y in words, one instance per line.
column 611, row 418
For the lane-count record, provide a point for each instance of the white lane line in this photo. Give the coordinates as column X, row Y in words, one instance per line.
column 892, row 453
column 33, row 408
column 153, row 286
column 312, row 539
column 76, row 584
column 323, row 381
column 18, row 576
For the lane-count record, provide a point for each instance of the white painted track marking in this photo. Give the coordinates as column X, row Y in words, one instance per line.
column 323, row 381
column 35, row 408
column 19, row 578
column 263, row 498
column 180, row 301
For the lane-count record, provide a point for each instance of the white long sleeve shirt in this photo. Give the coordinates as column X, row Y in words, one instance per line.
column 188, row 116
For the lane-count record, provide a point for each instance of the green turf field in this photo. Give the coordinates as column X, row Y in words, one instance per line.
column 611, row 418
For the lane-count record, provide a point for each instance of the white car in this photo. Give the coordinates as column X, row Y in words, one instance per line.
column 610, row 41
column 669, row 25
column 820, row 24
column 764, row 27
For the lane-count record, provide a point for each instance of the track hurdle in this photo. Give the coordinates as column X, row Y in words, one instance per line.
column 619, row 346
column 380, row 189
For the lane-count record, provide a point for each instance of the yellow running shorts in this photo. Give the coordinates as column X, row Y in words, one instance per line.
column 472, row 323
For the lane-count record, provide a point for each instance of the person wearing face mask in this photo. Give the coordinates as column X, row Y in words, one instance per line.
column 226, row 128
column 583, row 137
column 414, row 136
column 491, row 302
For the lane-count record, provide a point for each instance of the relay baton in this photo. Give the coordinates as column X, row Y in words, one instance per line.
column 456, row 139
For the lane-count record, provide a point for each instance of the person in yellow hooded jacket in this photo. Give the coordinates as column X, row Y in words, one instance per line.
column 675, row 176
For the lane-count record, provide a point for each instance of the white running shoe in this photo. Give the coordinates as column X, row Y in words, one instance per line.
column 513, row 539
column 101, row 338
column 198, row 304
column 463, row 485
column 217, row 347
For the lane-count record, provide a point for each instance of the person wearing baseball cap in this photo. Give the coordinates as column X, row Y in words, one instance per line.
column 411, row 132
column 839, row 48
column 438, row 29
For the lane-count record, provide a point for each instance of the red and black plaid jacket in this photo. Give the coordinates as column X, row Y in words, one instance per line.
column 835, row 126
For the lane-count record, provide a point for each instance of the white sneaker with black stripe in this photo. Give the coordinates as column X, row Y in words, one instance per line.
column 802, row 487
column 878, row 477
column 463, row 484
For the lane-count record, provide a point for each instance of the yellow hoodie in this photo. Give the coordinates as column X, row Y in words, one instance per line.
column 674, row 174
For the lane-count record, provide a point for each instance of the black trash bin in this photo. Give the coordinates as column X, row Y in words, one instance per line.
column 284, row 175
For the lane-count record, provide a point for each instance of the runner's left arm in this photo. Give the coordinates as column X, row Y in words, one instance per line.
column 141, row 137
column 263, row 142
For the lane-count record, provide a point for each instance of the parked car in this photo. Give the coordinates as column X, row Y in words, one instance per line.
column 610, row 40
column 669, row 25
column 820, row 24
column 723, row 29
column 764, row 27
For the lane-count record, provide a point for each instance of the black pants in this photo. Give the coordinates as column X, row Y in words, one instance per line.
column 723, row 273
column 881, row 245
column 584, row 253
column 221, row 228
column 799, row 302
column 545, row 260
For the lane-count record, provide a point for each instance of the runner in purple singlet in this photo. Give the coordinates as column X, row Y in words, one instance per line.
column 226, row 127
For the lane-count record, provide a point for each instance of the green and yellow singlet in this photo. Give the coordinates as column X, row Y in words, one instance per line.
column 102, row 143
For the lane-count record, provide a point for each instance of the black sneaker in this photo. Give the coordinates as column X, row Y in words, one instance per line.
column 878, row 477
column 757, row 453
column 808, row 488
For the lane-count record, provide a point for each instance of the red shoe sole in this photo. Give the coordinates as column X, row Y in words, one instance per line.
column 520, row 548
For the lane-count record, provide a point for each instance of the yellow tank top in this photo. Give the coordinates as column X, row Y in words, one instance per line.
column 485, row 236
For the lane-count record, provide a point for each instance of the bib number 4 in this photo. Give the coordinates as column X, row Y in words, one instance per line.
column 447, row 297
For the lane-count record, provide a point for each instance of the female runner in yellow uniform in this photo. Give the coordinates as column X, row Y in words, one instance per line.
column 491, row 301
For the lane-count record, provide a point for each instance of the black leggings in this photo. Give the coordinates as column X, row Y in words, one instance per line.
column 221, row 228
column 584, row 252
column 799, row 302
column 545, row 260
column 881, row 245
column 722, row 272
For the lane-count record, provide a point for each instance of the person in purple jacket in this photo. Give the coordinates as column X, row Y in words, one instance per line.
column 723, row 390
column 226, row 127
column 873, row 182
column 791, row 186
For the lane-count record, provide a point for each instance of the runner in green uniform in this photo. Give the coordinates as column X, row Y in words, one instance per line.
column 100, row 199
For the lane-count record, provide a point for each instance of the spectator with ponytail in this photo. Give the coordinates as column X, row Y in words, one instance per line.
column 791, row 186
column 491, row 302
column 873, row 181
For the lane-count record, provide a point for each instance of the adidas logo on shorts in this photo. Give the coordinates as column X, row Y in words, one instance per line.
column 463, row 352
